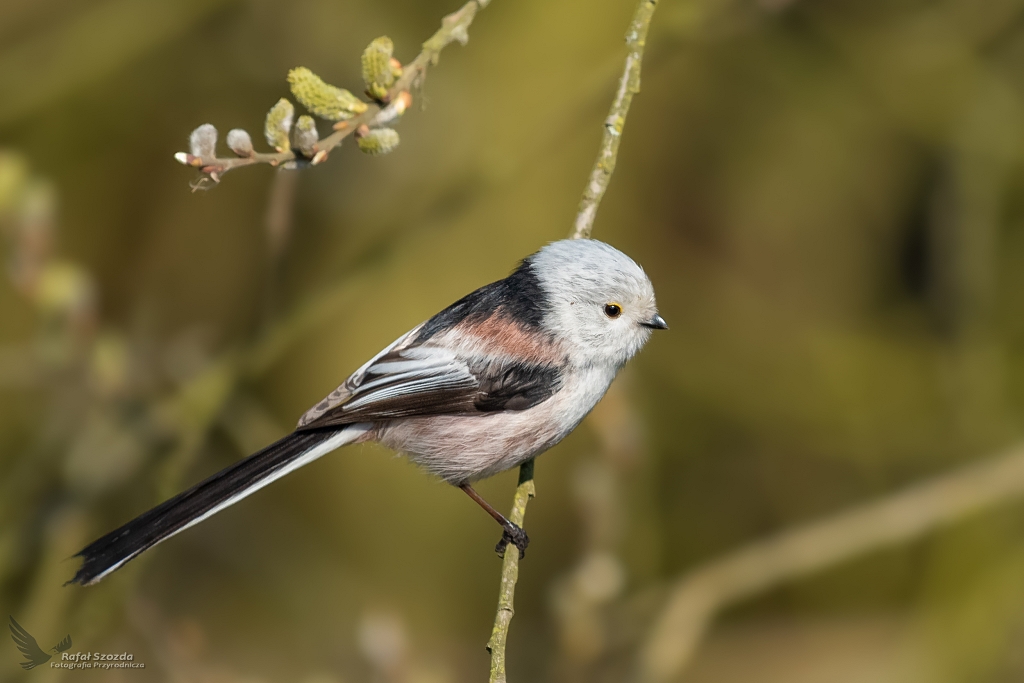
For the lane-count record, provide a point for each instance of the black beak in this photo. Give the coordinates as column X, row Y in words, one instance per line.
column 656, row 323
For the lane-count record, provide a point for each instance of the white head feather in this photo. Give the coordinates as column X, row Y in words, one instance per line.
column 582, row 278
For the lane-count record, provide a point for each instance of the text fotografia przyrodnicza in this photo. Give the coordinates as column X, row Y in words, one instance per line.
column 97, row 660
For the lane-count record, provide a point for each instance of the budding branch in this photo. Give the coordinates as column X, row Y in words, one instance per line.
column 454, row 28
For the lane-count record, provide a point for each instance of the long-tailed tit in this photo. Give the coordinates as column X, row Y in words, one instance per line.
column 496, row 378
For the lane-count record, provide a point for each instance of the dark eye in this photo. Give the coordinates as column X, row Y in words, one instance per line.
column 612, row 310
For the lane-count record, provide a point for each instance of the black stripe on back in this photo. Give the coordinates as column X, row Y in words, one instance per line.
column 519, row 297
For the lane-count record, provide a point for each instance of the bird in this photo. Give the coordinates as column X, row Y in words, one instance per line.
column 486, row 384
column 34, row 655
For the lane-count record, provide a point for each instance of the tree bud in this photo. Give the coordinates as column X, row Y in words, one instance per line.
column 325, row 100
column 203, row 142
column 279, row 124
column 379, row 141
column 379, row 69
column 306, row 136
column 240, row 142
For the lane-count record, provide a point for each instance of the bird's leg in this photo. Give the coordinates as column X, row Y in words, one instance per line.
column 511, row 533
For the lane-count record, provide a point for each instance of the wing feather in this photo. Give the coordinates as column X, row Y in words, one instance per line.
column 432, row 379
column 344, row 392
column 422, row 380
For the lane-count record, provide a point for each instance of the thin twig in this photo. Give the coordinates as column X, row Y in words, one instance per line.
column 509, row 575
column 629, row 85
column 454, row 28
column 699, row 595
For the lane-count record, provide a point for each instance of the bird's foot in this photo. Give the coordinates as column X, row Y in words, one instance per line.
column 515, row 536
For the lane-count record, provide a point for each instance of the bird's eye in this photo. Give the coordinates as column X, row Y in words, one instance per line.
column 612, row 310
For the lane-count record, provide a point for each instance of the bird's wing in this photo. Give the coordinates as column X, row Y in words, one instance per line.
column 27, row 645
column 432, row 379
column 415, row 380
column 344, row 391
column 63, row 645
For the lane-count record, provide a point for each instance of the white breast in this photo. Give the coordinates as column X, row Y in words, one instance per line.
column 462, row 448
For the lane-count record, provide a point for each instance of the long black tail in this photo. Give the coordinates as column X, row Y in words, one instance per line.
column 206, row 498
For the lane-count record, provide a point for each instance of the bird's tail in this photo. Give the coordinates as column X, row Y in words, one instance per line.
column 206, row 498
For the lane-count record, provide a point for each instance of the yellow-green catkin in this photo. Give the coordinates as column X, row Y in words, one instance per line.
column 379, row 72
column 323, row 99
column 306, row 135
column 379, row 141
column 279, row 125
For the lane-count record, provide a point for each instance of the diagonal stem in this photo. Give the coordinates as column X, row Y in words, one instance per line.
column 608, row 152
column 701, row 594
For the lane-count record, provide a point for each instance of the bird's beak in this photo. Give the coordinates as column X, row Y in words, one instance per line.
column 656, row 323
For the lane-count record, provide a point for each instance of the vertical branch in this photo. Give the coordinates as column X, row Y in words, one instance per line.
column 509, row 575
column 279, row 213
column 278, row 222
column 629, row 85
column 581, row 597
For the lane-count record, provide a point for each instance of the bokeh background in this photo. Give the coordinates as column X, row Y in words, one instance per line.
column 827, row 194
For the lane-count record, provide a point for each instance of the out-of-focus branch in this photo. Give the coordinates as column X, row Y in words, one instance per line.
column 509, row 575
column 629, row 85
column 582, row 597
column 280, row 207
column 454, row 28
column 699, row 595
column 278, row 222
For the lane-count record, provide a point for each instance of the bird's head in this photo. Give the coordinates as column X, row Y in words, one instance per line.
column 599, row 302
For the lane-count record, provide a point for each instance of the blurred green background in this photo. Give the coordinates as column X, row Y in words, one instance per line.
column 827, row 194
